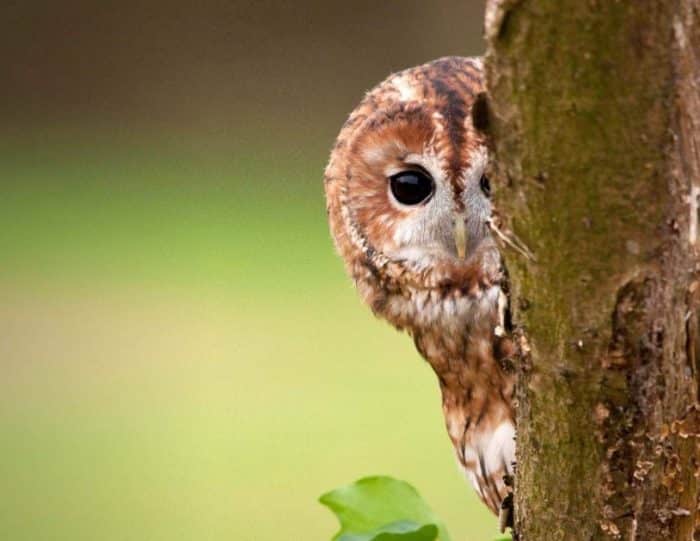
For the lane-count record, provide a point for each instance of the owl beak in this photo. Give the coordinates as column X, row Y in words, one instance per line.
column 460, row 234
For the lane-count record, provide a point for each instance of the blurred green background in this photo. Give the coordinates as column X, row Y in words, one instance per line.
column 181, row 353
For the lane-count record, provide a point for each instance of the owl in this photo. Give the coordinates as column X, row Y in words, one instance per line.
column 409, row 208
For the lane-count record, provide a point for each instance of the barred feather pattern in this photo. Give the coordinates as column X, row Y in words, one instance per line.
column 404, row 259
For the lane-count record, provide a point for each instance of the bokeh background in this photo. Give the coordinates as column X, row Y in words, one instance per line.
column 181, row 354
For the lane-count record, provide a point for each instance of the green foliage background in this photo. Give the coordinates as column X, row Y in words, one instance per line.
column 178, row 362
column 181, row 354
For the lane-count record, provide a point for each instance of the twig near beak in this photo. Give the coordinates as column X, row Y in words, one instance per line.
column 511, row 240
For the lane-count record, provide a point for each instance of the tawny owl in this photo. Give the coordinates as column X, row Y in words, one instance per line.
column 409, row 210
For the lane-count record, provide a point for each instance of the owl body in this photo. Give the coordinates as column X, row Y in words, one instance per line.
column 409, row 211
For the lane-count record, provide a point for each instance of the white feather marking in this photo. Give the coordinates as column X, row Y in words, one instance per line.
column 478, row 160
column 500, row 448
column 500, row 329
column 406, row 91
column 373, row 155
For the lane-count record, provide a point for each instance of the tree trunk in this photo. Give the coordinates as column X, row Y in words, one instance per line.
column 594, row 111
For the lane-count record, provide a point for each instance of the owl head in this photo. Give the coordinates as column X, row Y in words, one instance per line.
column 407, row 196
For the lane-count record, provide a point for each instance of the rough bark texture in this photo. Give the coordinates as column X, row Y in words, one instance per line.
column 594, row 109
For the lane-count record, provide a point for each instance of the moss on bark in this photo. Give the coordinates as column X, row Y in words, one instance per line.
column 595, row 131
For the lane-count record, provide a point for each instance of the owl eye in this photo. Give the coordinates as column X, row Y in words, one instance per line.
column 485, row 185
column 411, row 187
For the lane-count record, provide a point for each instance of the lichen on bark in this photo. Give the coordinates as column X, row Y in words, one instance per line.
column 594, row 116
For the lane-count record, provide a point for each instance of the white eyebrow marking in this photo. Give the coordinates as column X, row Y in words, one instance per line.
column 429, row 161
column 406, row 91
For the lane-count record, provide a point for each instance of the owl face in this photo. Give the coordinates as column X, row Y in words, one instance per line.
column 406, row 191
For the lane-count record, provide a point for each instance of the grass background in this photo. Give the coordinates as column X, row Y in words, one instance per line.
column 181, row 353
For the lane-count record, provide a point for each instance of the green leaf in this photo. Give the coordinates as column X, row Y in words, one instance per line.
column 383, row 509
column 403, row 530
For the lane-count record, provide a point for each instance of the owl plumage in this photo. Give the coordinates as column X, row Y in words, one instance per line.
column 409, row 211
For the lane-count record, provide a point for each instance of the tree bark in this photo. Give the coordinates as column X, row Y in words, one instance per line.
column 594, row 113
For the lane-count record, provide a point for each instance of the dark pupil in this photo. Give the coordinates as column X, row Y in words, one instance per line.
column 485, row 185
column 411, row 187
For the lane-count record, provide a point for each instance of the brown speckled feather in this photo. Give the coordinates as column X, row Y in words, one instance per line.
column 405, row 259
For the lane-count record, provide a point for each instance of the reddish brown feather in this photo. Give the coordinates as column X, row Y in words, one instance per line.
column 477, row 388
